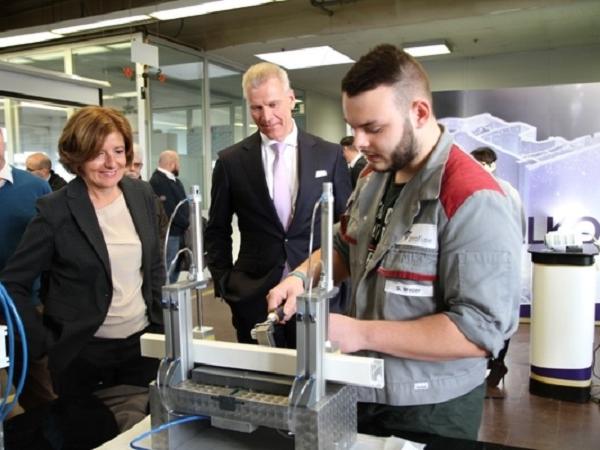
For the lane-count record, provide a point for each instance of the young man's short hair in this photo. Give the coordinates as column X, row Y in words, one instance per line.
column 387, row 65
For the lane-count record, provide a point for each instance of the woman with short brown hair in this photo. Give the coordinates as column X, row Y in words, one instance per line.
column 97, row 243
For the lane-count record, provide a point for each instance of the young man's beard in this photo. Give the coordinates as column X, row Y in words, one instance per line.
column 406, row 150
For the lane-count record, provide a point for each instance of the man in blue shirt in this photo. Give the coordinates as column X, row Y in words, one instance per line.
column 19, row 191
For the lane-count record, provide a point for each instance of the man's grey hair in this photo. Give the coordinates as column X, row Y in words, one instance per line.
column 42, row 160
column 261, row 72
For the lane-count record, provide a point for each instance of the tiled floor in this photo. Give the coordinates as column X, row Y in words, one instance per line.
column 525, row 420
column 520, row 419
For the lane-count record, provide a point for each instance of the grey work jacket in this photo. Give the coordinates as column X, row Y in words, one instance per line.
column 451, row 246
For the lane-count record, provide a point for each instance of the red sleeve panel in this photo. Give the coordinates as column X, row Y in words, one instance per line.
column 463, row 176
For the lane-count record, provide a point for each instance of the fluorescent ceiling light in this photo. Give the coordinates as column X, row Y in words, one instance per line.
column 47, row 56
column 120, row 45
column 91, row 50
column 19, row 60
column 75, row 26
column 195, row 71
column 128, row 94
column 30, row 38
column 168, row 124
column 187, row 8
column 41, row 106
column 306, row 57
column 169, row 10
column 431, row 48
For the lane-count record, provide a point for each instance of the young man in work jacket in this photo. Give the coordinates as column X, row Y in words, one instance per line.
column 431, row 243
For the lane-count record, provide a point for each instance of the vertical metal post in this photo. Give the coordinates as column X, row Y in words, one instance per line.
column 207, row 130
column 197, row 247
column 167, row 323
column 177, row 300
column 326, row 280
column 143, row 105
column 312, row 315
column 181, row 323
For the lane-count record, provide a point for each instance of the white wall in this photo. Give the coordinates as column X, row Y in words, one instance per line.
column 324, row 117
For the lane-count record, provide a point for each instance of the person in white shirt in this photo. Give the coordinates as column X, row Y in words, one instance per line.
column 270, row 181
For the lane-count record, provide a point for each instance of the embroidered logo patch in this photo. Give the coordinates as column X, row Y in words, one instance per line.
column 420, row 235
column 410, row 290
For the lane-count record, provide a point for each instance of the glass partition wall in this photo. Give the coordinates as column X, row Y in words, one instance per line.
column 188, row 104
column 38, row 127
column 227, row 108
column 176, row 94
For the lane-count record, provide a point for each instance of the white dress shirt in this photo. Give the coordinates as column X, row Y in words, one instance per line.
column 290, row 159
column 169, row 175
column 6, row 175
column 355, row 160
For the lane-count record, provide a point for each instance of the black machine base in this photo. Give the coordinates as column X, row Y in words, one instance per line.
column 567, row 393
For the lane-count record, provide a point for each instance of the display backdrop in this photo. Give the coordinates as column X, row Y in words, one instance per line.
column 547, row 140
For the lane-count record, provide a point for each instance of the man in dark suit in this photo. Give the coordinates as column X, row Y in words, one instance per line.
column 270, row 181
column 40, row 165
column 355, row 159
column 170, row 191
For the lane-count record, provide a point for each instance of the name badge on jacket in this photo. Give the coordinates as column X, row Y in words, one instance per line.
column 420, row 235
column 407, row 289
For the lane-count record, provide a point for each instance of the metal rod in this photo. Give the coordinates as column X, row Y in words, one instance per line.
column 196, row 221
column 326, row 282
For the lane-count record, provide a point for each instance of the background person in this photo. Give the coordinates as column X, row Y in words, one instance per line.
column 355, row 159
column 487, row 157
column 40, row 165
column 134, row 170
column 431, row 243
column 270, row 181
column 97, row 241
column 19, row 191
column 170, row 191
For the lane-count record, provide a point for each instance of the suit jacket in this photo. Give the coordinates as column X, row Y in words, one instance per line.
column 56, row 181
column 65, row 242
column 355, row 171
column 171, row 193
column 239, row 187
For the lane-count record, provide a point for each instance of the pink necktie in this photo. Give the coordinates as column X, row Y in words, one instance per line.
column 281, row 186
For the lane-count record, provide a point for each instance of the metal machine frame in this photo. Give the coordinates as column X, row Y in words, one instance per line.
column 321, row 415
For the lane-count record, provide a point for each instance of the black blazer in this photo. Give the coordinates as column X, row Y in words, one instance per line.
column 239, row 187
column 170, row 194
column 356, row 169
column 64, row 241
column 56, row 181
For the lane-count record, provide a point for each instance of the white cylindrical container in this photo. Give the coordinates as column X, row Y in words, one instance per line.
column 562, row 324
